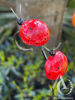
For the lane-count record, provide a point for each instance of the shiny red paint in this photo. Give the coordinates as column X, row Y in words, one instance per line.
column 56, row 66
column 73, row 20
column 34, row 32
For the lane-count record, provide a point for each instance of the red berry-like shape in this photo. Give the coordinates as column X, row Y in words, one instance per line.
column 34, row 32
column 56, row 66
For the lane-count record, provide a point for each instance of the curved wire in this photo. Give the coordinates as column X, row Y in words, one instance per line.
column 58, row 46
column 55, row 49
column 18, row 46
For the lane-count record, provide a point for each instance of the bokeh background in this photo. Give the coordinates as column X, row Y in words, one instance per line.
column 22, row 75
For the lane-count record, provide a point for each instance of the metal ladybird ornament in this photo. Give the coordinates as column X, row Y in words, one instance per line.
column 32, row 32
column 56, row 65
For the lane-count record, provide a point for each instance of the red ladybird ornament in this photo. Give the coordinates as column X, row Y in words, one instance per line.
column 73, row 20
column 56, row 66
column 34, row 32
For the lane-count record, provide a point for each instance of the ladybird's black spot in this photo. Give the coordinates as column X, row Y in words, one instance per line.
column 58, row 67
column 30, row 28
column 49, row 74
column 25, row 34
column 55, row 75
column 49, row 67
column 27, row 40
column 38, row 32
column 35, row 42
column 45, row 38
column 59, row 61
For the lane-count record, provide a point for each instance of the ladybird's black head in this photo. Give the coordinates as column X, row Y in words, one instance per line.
column 52, row 52
column 20, row 21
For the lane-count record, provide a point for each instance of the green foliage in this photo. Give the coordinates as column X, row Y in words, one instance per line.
column 22, row 75
column 71, row 3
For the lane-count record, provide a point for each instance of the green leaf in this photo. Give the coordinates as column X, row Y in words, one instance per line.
column 15, row 71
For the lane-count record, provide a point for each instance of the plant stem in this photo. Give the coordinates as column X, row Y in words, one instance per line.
column 52, row 93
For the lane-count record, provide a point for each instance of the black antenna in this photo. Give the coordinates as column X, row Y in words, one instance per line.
column 19, row 20
column 53, row 51
column 14, row 13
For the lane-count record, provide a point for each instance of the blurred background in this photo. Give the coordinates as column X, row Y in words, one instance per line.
column 22, row 75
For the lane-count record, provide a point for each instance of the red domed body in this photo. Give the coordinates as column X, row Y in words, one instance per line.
column 56, row 66
column 34, row 32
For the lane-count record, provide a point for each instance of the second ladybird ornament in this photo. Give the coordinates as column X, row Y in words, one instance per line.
column 56, row 66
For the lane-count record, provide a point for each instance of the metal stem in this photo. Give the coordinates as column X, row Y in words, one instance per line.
column 14, row 13
column 58, row 46
column 55, row 49
column 44, row 54
column 47, row 49
column 64, row 85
